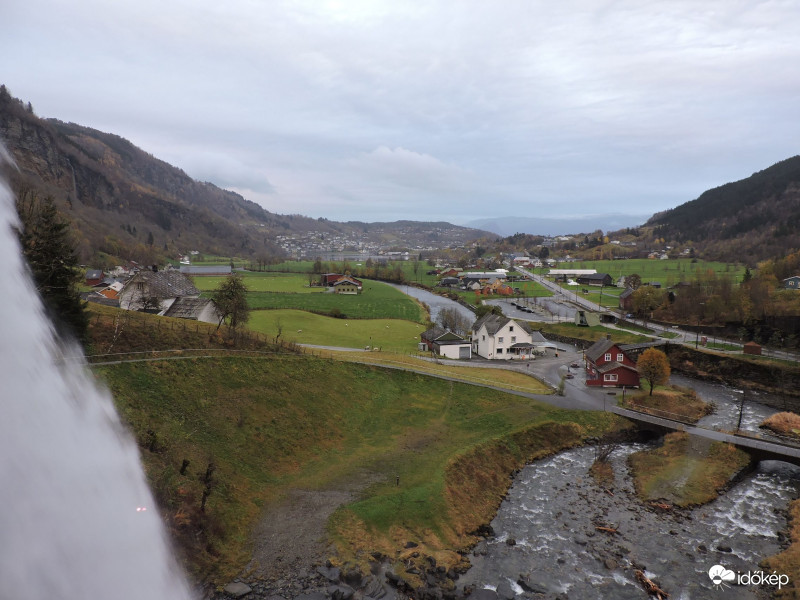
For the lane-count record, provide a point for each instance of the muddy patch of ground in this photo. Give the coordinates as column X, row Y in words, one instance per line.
column 291, row 538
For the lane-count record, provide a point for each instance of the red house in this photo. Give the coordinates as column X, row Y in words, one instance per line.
column 94, row 277
column 609, row 365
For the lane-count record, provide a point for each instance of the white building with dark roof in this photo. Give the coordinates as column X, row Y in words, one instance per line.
column 501, row 338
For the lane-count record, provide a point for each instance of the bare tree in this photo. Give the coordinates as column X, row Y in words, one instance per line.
column 452, row 320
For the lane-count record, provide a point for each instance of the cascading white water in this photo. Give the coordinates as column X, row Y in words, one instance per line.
column 77, row 520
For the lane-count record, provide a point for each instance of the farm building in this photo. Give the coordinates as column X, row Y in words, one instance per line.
column 752, row 348
column 601, row 279
column 347, row 285
column 626, row 300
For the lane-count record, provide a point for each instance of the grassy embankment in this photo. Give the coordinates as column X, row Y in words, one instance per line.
column 686, row 471
column 451, row 444
column 673, row 402
column 246, row 416
column 788, row 561
column 784, row 423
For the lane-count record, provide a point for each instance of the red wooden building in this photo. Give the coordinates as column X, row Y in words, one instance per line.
column 609, row 365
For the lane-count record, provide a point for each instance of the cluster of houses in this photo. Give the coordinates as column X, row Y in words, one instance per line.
column 496, row 337
column 486, row 283
column 167, row 292
column 493, row 337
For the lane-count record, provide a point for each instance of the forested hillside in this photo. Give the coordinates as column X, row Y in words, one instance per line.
column 746, row 221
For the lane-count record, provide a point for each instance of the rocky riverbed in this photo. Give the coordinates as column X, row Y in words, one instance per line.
column 558, row 535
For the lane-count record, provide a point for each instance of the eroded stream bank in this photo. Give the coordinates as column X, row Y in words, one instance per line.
column 547, row 544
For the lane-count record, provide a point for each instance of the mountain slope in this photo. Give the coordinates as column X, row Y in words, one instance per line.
column 126, row 203
column 748, row 220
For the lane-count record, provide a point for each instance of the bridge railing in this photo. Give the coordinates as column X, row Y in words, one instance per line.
column 774, row 438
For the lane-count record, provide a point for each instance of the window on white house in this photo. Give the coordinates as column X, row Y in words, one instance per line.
column 499, row 340
column 607, row 356
column 610, row 377
column 499, row 350
column 620, row 357
column 511, row 328
column 483, row 338
column 513, row 339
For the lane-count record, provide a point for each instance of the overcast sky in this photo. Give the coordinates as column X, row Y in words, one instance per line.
column 426, row 110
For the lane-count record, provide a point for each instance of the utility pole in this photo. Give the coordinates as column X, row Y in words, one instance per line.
column 741, row 411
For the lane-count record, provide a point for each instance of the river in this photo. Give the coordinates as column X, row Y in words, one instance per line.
column 553, row 508
column 435, row 303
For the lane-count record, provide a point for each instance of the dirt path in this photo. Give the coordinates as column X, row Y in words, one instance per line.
column 290, row 540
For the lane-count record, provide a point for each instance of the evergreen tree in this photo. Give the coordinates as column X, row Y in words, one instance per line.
column 50, row 252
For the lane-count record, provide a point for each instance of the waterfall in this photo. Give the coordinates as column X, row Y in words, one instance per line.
column 77, row 519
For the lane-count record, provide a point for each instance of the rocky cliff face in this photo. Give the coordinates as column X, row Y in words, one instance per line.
column 128, row 204
column 121, row 200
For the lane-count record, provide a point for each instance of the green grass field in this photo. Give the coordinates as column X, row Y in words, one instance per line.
column 303, row 327
column 270, row 425
column 264, row 282
column 667, row 272
column 291, row 291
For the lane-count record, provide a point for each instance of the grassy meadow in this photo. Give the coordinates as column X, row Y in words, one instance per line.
column 269, row 291
column 240, row 419
column 667, row 272
column 305, row 327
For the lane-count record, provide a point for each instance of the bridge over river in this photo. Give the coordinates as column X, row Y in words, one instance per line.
column 758, row 448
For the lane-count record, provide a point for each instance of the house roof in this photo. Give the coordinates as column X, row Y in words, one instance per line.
column 595, row 276
column 439, row 334
column 626, row 293
column 165, row 284
column 599, row 348
column 495, row 323
column 187, row 308
column 613, row 366
column 206, row 269
column 95, row 274
column 347, row 279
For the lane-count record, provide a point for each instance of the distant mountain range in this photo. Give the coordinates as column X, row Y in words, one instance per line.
column 745, row 221
column 507, row 226
column 125, row 203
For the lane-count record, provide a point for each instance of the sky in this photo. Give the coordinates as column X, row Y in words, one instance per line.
column 426, row 110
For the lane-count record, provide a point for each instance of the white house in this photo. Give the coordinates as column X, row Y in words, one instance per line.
column 445, row 343
column 500, row 338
